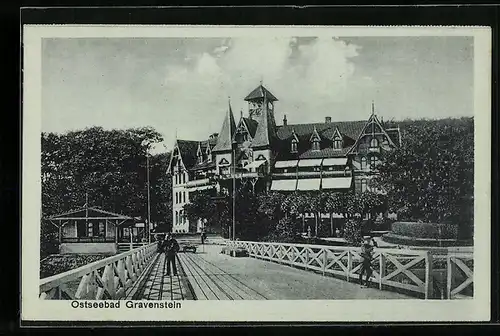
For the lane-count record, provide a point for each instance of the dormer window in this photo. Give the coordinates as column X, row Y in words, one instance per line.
column 315, row 139
column 315, row 145
column 294, row 146
column 374, row 143
column 337, row 143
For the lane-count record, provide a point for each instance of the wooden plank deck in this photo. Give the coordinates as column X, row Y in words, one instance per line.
column 210, row 282
column 156, row 285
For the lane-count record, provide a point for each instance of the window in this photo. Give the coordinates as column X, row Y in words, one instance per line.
column 90, row 230
column 373, row 161
column 102, row 229
column 294, row 146
column 363, row 163
column 374, row 143
column 315, row 145
column 364, row 185
column 337, row 144
column 181, row 217
column 176, row 218
column 183, row 197
column 176, row 198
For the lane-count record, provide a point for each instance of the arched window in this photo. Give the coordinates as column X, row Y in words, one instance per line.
column 294, row 146
column 363, row 163
column 176, row 218
column 374, row 143
column 183, row 197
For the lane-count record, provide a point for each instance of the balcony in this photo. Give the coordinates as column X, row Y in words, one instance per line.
column 199, row 183
column 240, row 175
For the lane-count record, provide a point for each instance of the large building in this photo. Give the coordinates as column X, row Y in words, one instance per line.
column 289, row 157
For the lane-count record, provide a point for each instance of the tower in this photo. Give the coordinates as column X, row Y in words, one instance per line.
column 258, row 100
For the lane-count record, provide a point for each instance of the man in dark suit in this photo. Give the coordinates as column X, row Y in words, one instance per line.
column 171, row 247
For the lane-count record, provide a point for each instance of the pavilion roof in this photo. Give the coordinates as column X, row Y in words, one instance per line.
column 87, row 212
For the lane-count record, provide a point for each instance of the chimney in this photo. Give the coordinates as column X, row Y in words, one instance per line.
column 328, row 120
column 285, row 122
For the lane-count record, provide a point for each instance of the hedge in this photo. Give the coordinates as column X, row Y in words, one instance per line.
column 425, row 230
column 412, row 241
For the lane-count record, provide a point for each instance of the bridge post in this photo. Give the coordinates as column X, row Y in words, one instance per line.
column 429, row 285
column 449, row 276
column 325, row 260
column 349, row 265
column 381, row 269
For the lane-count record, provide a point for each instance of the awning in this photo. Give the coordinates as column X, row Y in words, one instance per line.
column 336, row 183
column 310, row 163
column 335, row 162
column 286, row 164
column 255, row 164
column 308, row 184
column 287, row 185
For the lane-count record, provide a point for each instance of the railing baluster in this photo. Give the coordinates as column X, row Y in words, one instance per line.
column 429, row 279
column 381, row 271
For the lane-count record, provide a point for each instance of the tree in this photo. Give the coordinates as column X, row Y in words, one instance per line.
column 107, row 165
column 430, row 177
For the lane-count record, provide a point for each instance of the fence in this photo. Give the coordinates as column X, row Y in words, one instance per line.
column 408, row 270
column 104, row 279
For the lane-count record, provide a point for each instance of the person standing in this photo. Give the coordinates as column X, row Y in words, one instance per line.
column 171, row 247
column 367, row 255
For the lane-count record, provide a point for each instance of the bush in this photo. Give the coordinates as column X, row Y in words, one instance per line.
column 59, row 263
column 352, row 232
column 425, row 230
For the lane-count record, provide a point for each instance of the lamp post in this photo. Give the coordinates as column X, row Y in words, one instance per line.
column 234, row 190
column 149, row 201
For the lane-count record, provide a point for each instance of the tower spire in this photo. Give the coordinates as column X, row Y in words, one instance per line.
column 373, row 107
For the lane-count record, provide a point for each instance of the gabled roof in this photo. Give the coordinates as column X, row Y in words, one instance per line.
column 251, row 125
column 395, row 135
column 224, row 139
column 373, row 119
column 187, row 150
column 260, row 92
column 90, row 213
column 315, row 136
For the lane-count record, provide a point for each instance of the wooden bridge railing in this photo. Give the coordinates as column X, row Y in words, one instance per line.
column 104, row 279
column 410, row 270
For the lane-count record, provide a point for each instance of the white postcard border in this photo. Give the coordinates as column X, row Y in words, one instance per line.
column 32, row 308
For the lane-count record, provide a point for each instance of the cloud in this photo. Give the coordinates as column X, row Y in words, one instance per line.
column 309, row 77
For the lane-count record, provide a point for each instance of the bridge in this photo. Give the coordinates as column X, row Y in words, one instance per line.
column 270, row 271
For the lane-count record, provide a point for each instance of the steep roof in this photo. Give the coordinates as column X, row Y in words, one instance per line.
column 324, row 153
column 204, row 165
column 188, row 149
column 260, row 92
column 251, row 125
column 326, row 130
column 224, row 139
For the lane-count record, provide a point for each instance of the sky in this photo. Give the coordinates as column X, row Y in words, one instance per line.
column 182, row 86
